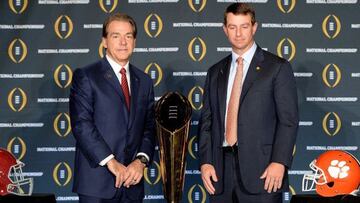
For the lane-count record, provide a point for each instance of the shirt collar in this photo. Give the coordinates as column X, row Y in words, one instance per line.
column 247, row 56
column 117, row 67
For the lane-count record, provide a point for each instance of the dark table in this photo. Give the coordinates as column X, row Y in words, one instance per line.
column 318, row 199
column 34, row 198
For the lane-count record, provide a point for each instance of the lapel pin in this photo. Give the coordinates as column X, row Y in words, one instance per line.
column 258, row 68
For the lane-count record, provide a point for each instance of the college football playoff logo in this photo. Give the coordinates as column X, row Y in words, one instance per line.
column 108, row 6
column 153, row 25
column 17, row 99
column 63, row 26
column 292, row 190
column 62, row 174
column 62, row 125
column 331, row 124
column 331, row 75
column 195, row 97
column 17, row 50
column 63, row 76
column 18, row 6
column 331, row 26
column 155, row 73
column 196, row 194
column 197, row 5
column 193, row 147
column 101, row 50
column 286, row 6
column 286, row 49
column 152, row 173
column 197, row 49
column 17, row 147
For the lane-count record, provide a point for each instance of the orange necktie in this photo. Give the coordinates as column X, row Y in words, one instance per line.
column 125, row 87
column 233, row 106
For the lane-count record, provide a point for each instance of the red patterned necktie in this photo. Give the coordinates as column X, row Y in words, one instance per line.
column 125, row 87
column 233, row 106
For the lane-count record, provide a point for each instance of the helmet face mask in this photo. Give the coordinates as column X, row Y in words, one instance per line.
column 310, row 180
column 19, row 184
column 12, row 180
column 334, row 173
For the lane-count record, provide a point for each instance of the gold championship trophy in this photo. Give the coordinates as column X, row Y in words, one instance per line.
column 173, row 115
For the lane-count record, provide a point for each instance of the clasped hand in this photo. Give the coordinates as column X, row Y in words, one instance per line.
column 126, row 176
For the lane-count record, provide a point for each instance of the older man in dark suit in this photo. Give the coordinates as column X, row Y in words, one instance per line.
column 249, row 121
column 112, row 118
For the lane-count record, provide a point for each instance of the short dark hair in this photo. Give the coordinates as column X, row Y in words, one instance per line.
column 240, row 8
column 119, row 17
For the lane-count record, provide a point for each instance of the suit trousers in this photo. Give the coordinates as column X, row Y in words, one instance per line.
column 119, row 197
column 234, row 190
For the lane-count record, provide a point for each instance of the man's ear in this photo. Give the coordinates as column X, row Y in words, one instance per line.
column 225, row 30
column 254, row 28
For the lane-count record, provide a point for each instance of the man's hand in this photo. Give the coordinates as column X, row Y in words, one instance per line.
column 274, row 174
column 134, row 173
column 207, row 174
column 118, row 170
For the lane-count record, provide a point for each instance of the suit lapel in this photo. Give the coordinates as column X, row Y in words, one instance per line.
column 222, row 86
column 134, row 94
column 113, row 81
column 252, row 73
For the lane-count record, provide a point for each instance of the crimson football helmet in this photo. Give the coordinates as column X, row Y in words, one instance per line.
column 335, row 172
column 12, row 180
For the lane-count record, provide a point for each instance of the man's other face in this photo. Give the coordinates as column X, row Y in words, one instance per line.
column 119, row 42
column 240, row 32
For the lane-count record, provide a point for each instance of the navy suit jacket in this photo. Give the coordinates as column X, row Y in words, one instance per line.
column 102, row 126
column 267, row 119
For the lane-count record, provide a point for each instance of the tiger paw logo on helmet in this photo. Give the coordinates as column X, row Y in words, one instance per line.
column 338, row 169
column 335, row 172
column 12, row 180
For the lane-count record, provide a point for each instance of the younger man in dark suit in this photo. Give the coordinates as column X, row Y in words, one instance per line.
column 249, row 120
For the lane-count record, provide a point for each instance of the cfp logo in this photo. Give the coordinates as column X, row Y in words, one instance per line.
column 17, row 147
column 331, row 75
column 294, row 150
column 286, row 6
column 193, row 147
column 152, row 173
column 286, row 49
column 331, row 124
column 62, row 174
column 62, row 125
column 197, row 5
column 286, row 196
column 153, row 25
column 101, row 50
column 197, row 49
column 292, row 190
column 18, row 6
column 17, row 99
column 17, row 50
column 155, row 73
column 195, row 97
column 63, row 26
column 196, row 194
column 331, row 26
column 63, row 76
column 109, row 5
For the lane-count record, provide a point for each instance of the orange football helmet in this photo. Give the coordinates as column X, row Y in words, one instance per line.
column 335, row 172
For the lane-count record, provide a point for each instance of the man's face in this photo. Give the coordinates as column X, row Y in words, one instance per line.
column 240, row 32
column 120, row 41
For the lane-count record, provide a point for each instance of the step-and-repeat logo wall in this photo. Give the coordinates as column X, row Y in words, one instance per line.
column 177, row 42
